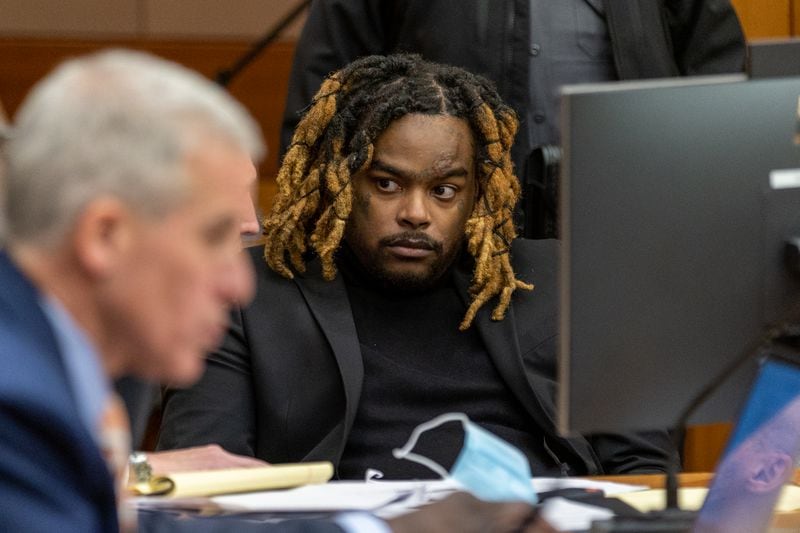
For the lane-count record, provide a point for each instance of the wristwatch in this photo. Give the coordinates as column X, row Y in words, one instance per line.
column 138, row 467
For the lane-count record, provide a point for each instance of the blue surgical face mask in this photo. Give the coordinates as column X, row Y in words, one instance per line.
column 488, row 467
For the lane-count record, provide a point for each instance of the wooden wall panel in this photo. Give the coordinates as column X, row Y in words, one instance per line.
column 764, row 18
column 145, row 19
column 212, row 19
column 83, row 18
column 261, row 87
column 795, row 20
column 704, row 445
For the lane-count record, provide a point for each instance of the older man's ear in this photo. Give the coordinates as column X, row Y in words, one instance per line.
column 101, row 236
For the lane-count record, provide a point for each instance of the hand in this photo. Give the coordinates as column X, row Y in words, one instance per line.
column 209, row 457
column 464, row 513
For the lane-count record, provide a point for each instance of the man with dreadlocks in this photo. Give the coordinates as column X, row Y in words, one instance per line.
column 530, row 49
column 392, row 289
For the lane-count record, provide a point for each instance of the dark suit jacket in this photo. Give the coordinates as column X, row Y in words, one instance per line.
column 52, row 477
column 285, row 385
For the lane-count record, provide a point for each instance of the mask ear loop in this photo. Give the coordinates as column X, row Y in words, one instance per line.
column 372, row 474
column 406, row 453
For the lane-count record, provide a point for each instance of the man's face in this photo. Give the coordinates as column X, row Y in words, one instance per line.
column 169, row 301
column 411, row 204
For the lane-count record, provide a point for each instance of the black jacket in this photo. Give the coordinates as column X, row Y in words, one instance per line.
column 286, row 384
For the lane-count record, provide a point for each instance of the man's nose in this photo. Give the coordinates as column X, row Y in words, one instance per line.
column 414, row 212
column 249, row 225
column 249, row 228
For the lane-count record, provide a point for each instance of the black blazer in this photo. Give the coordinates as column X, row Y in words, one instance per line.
column 286, row 383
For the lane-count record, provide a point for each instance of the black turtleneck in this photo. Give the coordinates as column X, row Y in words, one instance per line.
column 418, row 365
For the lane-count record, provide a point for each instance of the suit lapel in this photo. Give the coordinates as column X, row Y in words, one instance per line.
column 501, row 342
column 19, row 308
column 330, row 306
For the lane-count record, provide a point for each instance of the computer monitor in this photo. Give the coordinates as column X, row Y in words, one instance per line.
column 676, row 198
column 773, row 58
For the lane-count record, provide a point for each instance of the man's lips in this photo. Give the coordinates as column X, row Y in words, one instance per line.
column 410, row 251
column 411, row 247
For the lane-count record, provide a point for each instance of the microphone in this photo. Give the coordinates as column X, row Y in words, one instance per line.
column 225, row 76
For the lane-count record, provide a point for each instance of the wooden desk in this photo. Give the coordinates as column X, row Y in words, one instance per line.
column 782, row 523
column 656, row 481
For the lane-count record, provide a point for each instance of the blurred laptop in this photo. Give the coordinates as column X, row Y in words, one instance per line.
column 761, row 454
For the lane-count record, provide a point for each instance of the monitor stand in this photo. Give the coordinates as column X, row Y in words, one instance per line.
column 664, row 521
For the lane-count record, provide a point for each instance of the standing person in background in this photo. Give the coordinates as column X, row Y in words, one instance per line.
column 529, row 48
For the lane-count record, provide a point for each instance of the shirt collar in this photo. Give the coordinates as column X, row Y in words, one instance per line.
column 87, row 380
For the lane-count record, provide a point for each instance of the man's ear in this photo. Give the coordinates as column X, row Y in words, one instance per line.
column 770, row 473
column 102, row 235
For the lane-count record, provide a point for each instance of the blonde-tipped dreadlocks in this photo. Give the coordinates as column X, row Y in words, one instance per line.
column 335, row 138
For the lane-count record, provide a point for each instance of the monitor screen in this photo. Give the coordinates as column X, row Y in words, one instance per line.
column 676, row 199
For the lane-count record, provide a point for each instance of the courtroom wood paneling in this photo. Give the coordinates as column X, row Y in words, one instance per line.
column 261, row 87
column 704, row 445
column 764, row 18
column 795, row 20
column 77, row 18
column 214, row 19
column 145, row 19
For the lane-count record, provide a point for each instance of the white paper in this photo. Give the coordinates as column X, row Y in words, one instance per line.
column 388, row 499
column 567, row 515
column 339, row 496
column 546, row 484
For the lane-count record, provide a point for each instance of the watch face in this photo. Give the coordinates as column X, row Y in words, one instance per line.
column 140, row 467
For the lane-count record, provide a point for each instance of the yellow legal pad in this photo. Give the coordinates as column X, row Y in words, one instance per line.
column 231, row 480
column 691, row 499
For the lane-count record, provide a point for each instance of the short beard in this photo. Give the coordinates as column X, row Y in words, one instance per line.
column 405, row 281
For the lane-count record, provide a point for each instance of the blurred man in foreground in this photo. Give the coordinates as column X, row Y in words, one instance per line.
column 124, row 183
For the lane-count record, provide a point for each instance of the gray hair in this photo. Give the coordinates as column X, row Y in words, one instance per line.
column 116, row 123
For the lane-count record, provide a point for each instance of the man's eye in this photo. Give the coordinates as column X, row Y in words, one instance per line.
column 444, row 192
column 387, row 185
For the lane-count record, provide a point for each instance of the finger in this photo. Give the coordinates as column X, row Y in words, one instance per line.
column 245, row 462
